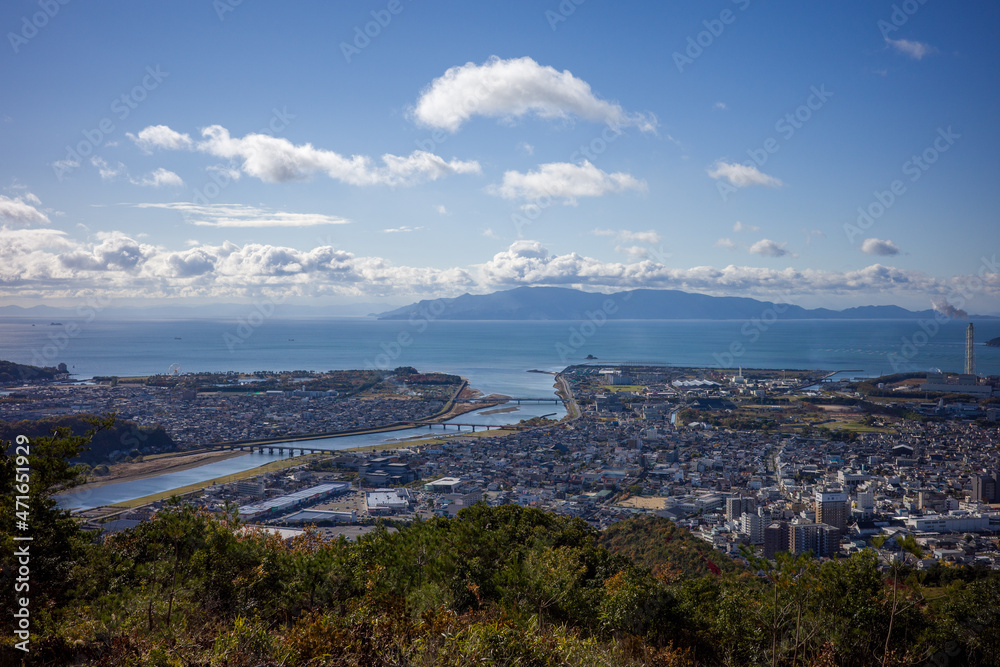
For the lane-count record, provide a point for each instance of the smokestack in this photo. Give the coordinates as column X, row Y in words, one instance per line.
column 970, row 351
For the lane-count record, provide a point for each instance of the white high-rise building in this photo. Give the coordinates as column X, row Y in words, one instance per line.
column 753, row 526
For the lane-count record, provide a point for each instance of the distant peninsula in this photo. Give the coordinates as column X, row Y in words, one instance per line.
column 560, row 303
column 994, row 342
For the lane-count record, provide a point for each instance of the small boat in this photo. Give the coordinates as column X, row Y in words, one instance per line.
column 177, row 337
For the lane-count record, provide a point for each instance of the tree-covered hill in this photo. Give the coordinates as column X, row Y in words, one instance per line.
column 664, row 547
column 124, row 436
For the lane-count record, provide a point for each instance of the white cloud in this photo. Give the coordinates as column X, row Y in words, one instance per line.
column 742, row 175
column 529, row 263
column 720, row 105
column 768, row 248
column 515, row 88
column 913, row 49
column 160, row 136
column 277, row 160
column 238, row 215
column 649, row 236
column 633, row 251
column 107, row 172
column 627, row 236
column 44, row 263
column 725, row 243
column 21, row 210
column 740, row 227
column 875, row 246
column 157, row 179
column 442, row 209
column 403, row 229
column 490, row 234
column 566, row 181
column 526, row 148
column 115, row 252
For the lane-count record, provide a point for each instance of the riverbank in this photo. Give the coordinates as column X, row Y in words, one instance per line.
column 154, row 467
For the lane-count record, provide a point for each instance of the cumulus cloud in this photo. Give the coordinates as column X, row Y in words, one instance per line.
column 768, row 248
column 402, row 229
column 21, row 210
column 740, row 227
column 726, row 243
column 239, row 215
column 565, row 181
column 278, row 160
column 46, row 263
column 875, row 246
column 742, row 175
column 116, row 251
column 913, row 49
column 530, row 263
column 514, row 88
column 160, row 136
column 157, row 179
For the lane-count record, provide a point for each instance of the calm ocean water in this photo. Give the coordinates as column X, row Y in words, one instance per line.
column 494, row 356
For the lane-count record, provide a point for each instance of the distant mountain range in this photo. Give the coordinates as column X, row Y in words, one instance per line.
column 522, row 303
column 559, row 303
column 187, row 312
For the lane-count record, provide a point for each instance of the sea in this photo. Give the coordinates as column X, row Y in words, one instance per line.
column 495, row 356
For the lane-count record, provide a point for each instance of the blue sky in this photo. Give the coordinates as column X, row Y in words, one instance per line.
column 718, row 147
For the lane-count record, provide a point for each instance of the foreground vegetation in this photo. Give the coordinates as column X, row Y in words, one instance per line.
column 495, row 586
